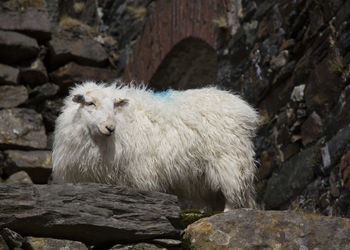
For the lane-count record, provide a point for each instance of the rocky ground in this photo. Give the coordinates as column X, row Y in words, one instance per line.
column 290, row 59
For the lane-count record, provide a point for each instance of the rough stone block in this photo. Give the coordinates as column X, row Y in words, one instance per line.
column 35, row 243
column 36, row 163
column 34, row 74
column 12, row 96
column 16, row 47
column 8, row 74
column 21, row 128
column 19, row 177
column 34, row 22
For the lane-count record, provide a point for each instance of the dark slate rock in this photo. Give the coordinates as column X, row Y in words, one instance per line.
column 138, row 246
column 36, row 163
column 35, row 243
column 21, row 128
column 95, row 214
column 12, row 96
column 34, row 74
column 8, row 74
column 43, row 92
column 3, row 244
column 335, row 148
column 16, row 47
column 311, row 129
column 50, row 112
column 256, row 229
column 34, row 22
column 84, row 51
column 294, row 175
column 73, row 73
column 13, row 239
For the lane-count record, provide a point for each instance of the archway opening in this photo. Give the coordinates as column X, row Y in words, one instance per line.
column 192, row 63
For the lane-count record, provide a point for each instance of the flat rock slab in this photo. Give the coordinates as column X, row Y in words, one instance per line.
column 8, row 74
column 35, row 74
column 95, row 214
column 22, row 128
column 16, row 47
column 38, row 164
column 48, row 243
column 84, row 51
column 12, row 96
column 257, row 229
column 66, row 76
column 34, row 22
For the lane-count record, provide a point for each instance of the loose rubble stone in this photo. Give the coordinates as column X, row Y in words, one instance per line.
column 21, row 128
column 298, row 93
column 12, row 96
column 35, row 243
column 13, row 239
column 294, row 175
column 3, row 244
column 43, row 92
column 38, row 164
column 95, row 214
column 139, row 246
column 16, row 47
column 73, row 73
column 256, row 229
column 8, row 74
column 34, row 74
column 19, row 177
column 335, row 148
column 34, row 22
column 84, row 51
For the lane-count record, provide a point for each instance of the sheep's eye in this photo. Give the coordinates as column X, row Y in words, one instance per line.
column 90, row 104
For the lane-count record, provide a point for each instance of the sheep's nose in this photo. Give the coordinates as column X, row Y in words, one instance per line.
column 110, row 129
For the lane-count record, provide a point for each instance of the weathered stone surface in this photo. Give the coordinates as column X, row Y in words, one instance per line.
column 335, row 148
column 95, row 214
column 256, row 229
column 72, row 73
column 311, row 129
column 21, row 128
column 84, row 51
column 36, row 163
column 34, row 22
column 50, row 112
column 34, row 74
column 19, row 177
column 43, row 92
column 16, row 47
column 12, row 96
column 16, row 5
column 139, row 246
column 35, row 243
column 13, row 239
column 292, row 178
column 8, row 74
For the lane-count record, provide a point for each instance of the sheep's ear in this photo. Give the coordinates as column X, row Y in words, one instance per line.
column 121, row 102
column 78, row 98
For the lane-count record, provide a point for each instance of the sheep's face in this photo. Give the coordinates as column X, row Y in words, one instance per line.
column 99, row 111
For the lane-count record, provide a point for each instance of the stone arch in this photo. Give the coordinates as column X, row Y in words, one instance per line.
column 173, row 23
column 192, row 63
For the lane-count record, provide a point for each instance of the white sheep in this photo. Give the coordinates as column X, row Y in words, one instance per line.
column 194, row 143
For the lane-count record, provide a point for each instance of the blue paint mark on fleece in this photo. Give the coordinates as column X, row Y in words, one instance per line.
column 163, row 94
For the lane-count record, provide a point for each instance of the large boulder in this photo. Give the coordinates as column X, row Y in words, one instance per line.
column 95, row 214
column 256, row 229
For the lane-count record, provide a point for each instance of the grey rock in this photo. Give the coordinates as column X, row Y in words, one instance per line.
column 38, row 164
column 12, row 96
column 43, row 92
column 35, row 73
column 34, row 22
column 50, row 112
column 21, row 128
column 84, row 51
column 256, row 229
column 295, row 174
column 36, row 243
column 3, row 244
column 139, row 246
column 16, row 47
column 95, row 214
column 19, row 177
column 168, row 242
column 8, row 74
column 298, row 93
column 335, row 148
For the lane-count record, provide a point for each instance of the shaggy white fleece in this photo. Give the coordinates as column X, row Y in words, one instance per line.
column 189, row 143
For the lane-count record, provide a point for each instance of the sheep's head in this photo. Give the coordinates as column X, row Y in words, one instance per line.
column 98, row 110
